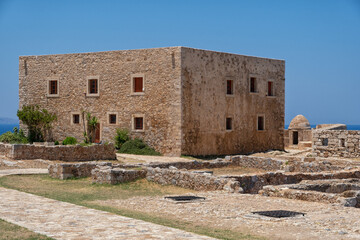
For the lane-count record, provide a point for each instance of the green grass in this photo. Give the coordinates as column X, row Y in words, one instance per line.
column 9, row 231
column 82, row 192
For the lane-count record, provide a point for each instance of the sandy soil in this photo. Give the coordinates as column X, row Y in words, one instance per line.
column 234, row 211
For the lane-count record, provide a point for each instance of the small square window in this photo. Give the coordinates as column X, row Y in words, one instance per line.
column 139, row 123
column 93, row 86
column 112, row 118
column 229, row 87
column 228, row 124
column 260, row 123
column 325, row 141
column 270, row 88
column 253, row 85
column 53, row 87
column 76, row 119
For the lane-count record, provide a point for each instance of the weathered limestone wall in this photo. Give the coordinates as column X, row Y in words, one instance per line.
column 252, row 183
column 191, row 180
column 77, row 170
column 109, row 175
column 206, row 106
column 336, row 143
column 304, row 135
column 160, row 104
column 6, row 149
column 60, row 152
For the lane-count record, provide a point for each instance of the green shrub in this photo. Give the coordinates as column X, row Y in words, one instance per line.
column 38, row 121
column 69, row 141
column 14, row 137
column 56, row 142
column 121, row 137
column 137, row 146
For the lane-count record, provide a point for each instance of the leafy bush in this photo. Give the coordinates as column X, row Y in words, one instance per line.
column 14, row 137
column 69, row 141
column 90, row 129
column 137, row 146
column 56, row 143
column 38, row 122
column 121, row 137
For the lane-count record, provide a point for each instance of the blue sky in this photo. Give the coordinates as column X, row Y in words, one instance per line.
column 319, row 40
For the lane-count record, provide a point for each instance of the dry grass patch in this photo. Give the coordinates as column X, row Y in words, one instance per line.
column 9, row 231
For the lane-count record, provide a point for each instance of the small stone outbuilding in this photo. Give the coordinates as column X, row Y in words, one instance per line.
column 298, row 134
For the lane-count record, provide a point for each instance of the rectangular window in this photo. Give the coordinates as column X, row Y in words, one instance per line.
column 229, row 87
column 324, row 141
column 112, row 118
column 76, row 118
column 270, row 89
column 228, row 123
column 342, row 142
column 138, row 123
column 53, row 87
column 260, row 123
column 93, row 86
column 253, row 85
column 138, row 84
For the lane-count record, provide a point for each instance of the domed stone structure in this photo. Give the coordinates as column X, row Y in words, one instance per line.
column 299, row 122
column 298, row 135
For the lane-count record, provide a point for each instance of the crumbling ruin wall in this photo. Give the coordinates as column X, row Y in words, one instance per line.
column 336, row 143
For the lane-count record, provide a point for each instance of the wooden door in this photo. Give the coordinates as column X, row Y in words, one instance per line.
column 97, row 133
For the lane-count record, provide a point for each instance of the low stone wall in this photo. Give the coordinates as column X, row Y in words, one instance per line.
column 336, row 143
column 345, row 192
column 253, row 183
column 115, row 175
column 6, row 149
column 191, row 180
column 65, row 170
column 59, row 152
column 264, row 163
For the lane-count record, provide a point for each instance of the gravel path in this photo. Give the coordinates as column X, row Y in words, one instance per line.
column 62, row 220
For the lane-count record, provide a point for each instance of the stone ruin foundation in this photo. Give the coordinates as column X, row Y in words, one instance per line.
column 311, row 179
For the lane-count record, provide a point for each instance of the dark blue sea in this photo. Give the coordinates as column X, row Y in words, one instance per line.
column 7, row 127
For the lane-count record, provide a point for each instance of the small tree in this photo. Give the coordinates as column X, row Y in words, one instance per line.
column 90, row 128
column 39, row 122
column 122, row 136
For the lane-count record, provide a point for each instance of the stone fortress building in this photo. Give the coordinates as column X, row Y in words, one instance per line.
column 179, row 100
